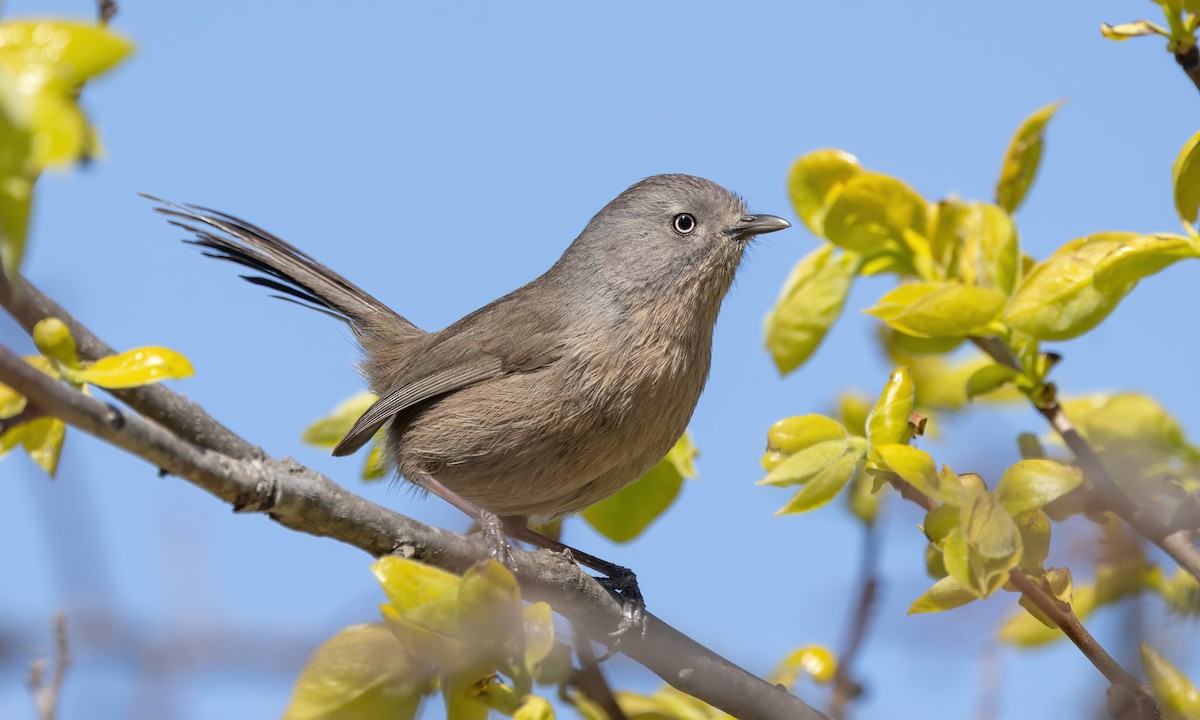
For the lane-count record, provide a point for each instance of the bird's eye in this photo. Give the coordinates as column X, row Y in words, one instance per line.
column 683, row 223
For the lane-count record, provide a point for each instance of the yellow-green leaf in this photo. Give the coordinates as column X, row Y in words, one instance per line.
column 863, row 498
column 534, row 708
column 806, row 464
column 1024, row 630
column 990, row 378
column 1034, row 527
column 875, row 214
column 53, row 339
column 140, row 366
column 811, row 300
column 791, row 435
column 816, row 661
column 823, row 485
column 362, row 673
column 977, row 243
column 539, row 632
column 1127, row 422
column 623, row 516
column 1139, row 258
column 1058, row 299
column 888, row 421
column 11, row 402
column 1185, row 178
column 813, row 181
column 939, row 310
column 329, row 430
column 1022, row 159
column 988, row 528
column 376, row 466
column 42, row 439
column 1124, row 31
column 940, row 521
column 409, row 584
column 1176, row 694
column 915, row 467
column 1031, row 484
column 946, row 594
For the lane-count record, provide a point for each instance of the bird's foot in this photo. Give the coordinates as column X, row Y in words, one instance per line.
column 622, row 582
column 499, row 550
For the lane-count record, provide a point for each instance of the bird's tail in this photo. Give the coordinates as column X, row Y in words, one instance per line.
column 288, row 270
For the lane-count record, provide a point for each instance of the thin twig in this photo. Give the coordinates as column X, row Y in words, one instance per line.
column 304, row 500
column 1177, row 543
column 1189, row 61
column 106, row 10
column 46, row 695
column 590, row 679
column 845, row 687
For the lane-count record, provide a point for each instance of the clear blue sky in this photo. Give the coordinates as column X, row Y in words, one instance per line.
column 440, row 155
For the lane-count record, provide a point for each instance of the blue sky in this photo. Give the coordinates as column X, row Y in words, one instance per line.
column 442, row 154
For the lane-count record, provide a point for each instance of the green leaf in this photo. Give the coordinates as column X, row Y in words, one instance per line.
column 42, row 66
column 939, row 310
column 853, row 409
column 946, row 594
column 815, row 661
column 915, row 467
column 988, row 528
column 1031, row 484
column 1177, row 695
column 1139, row 258
column 409, row 584
column 53, row 339
column 1058, row 299
column 376, row 466
column 42, row 439
column 1124, row 31
column 534, row 708
column 329, row 430
column 875, row 214
column 823, row 485
column 362, row 673
column 133, row 368
column 623, row 516
column 977, row 243
column 1034, row 527
column 803, row 466
column 811, row 300
column 813, row 181
column 990, row 378
column 940, row 521
column 1127, row 422
column 888, row 421
column 791, row 435
column 1185, row 178
column 1022, row 159
column 863, row 498
column 11, row 402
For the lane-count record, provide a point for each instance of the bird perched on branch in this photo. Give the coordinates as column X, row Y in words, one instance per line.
column 556, row 395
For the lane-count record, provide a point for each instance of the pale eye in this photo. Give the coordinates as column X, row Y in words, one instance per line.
column 683, row 223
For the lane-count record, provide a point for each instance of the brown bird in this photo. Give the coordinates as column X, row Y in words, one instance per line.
column 556, row 395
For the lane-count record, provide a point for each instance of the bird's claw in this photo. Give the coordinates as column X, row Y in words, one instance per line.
column 624, row 585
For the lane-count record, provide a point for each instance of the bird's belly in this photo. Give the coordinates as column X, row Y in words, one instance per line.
column 511, row 448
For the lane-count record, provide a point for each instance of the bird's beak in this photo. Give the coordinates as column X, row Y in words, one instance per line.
column 758, row 225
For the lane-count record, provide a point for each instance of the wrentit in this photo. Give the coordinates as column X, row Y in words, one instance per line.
column 554, row 396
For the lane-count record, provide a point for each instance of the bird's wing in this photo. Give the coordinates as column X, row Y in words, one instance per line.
column 456, row 363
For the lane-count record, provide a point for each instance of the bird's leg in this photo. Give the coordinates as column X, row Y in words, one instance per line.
column 490, row 524
column 621, row 581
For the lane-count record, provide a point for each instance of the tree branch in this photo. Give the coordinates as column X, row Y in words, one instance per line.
column 1177, row 543
column 845, row 687
column 1189, row 60
column 46, row 695
column 304, row 500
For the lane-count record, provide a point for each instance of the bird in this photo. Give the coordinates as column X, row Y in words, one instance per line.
column 554, row 396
